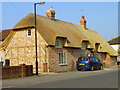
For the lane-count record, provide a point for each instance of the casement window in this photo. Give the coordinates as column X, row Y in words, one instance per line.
column 29, row 33
column 84, row 45
column 62, row 58
column 58, row 44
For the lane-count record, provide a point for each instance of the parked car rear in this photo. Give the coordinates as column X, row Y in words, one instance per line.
column 88, row 63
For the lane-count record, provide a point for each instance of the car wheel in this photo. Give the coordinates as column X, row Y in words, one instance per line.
column 92, row 68
column 101, row 67
column 79, row 69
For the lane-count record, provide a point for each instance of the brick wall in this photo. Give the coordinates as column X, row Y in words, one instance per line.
column 107, row 60
column 72, row 55
column 29, row 70
column 16, row 71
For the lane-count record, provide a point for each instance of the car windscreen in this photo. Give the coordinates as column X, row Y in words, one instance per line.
column 82, row 59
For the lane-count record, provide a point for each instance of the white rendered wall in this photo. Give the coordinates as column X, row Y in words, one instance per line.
column 116, row 47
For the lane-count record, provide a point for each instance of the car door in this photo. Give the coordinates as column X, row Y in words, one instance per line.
column 93, row 62
column 97, row 63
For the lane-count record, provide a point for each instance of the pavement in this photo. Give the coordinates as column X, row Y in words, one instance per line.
column 52, row 77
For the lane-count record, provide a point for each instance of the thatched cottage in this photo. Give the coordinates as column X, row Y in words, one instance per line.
column 59, row 43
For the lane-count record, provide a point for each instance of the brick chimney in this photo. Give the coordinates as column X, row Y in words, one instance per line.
column 50, row 13
column 83, row 22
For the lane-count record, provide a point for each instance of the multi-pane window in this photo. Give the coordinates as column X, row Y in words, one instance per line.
column 62, row 58
column 83, row 45
column 29, row 33
column 58, row 44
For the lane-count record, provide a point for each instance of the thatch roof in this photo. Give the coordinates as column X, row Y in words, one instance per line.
column 75, row 34
column 4, row 34
column 114, row 41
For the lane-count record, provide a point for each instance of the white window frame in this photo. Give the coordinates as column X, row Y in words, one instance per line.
column 29, row 32
column 64, row 58
column 58, row 43
column 0, row 58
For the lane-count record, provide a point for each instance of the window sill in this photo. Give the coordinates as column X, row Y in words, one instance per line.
column 58, row 47
column 83, row 48
column 63, row 64
column 28, row 36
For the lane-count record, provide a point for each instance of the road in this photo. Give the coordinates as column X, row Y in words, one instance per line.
column 107, row 78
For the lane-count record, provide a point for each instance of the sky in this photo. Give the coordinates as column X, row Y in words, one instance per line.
column 101, row 16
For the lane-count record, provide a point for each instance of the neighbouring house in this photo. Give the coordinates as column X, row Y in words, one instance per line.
column 59, row 44
column 115, row 43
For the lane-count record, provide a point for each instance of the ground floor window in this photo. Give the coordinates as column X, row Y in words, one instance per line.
column 62, row 58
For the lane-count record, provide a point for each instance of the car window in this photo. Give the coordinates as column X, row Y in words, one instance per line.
column 82, row 59
column 96, row 60
column 93, row 59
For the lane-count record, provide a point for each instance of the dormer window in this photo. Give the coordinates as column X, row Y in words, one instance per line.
column 29, row 33
column 58, row 43
column 97, row 46
column 84, row 44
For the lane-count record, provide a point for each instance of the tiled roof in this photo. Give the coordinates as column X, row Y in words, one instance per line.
column 114, row 41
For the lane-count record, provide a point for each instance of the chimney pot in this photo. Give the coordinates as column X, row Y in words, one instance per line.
column 83, row 17
column 83, row 22
column 50, row 13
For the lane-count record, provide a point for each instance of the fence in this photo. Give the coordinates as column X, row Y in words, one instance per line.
column 16, row 71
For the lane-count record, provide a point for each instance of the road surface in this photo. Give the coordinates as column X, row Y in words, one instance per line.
column 107, row 78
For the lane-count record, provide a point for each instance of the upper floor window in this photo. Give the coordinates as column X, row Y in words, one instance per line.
column 58, row 44
column 84, row 45
column 97, row 46
column 29, row 33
